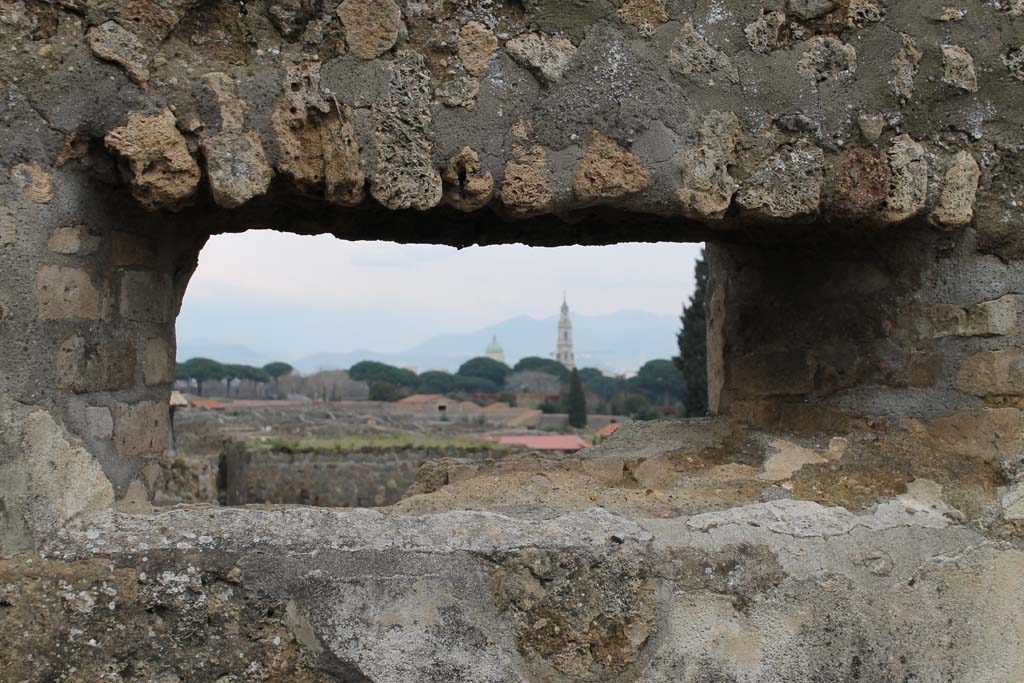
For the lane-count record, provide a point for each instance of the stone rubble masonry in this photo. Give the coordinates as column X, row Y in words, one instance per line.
column 145, row 296
column 958, row 68
column 66, row 293
column 128, row 249
column 476, row 45
column 371, row 26
column 100, row 422
column 8, row 227
column 164, row 173
column 546, row 56
column 96, row 366
column 157, row 362
column 956, row 204
column 855, row 169
column 140, row 429
column 72, row 241
column 34, row 182
column 235, row 161
column 113, row 43
column 608, row 171
column 993, row 373
column 1000, row 317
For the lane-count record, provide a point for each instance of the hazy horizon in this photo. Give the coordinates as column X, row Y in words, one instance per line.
column 294, row 296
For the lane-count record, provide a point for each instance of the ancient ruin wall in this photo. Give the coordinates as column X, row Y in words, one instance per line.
column 856, row 165
column 358, row 477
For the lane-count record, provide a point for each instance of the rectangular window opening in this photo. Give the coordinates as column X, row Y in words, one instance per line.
column 316, row 371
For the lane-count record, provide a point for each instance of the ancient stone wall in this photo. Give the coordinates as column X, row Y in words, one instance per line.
column 364, row 477
column 855, row 164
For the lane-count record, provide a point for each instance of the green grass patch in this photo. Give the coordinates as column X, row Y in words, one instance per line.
column 368, row 442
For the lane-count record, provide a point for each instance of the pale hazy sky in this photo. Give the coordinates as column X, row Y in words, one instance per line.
column 296, row 295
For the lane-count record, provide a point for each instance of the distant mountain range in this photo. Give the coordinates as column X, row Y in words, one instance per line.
column 620, row 342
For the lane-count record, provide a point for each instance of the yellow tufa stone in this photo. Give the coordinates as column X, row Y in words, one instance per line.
column 607, row 171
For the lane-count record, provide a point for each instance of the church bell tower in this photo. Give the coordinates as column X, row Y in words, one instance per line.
column 564, row 347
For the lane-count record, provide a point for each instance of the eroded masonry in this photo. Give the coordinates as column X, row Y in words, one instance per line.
column 853, row 512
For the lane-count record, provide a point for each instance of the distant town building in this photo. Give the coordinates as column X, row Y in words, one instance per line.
column 494, row 350
column 564, row 348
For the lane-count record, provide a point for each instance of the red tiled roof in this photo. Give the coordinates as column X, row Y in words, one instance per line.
column 554, row 442
column 607, row 430
column 208, row 403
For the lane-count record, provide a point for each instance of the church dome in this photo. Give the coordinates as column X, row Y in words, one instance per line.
column 494, row 346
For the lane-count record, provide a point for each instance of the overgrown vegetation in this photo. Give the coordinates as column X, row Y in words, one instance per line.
column 381, row 440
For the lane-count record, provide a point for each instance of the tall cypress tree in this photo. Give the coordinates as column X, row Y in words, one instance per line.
column 577, row 401
column 692, row 360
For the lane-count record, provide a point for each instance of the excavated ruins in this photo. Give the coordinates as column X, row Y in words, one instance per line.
column 854, row 509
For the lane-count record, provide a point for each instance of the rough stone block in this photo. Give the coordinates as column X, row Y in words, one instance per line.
column 34, row 182
column 83, row 366
column 993, row 373
column 74, row 240
column 145, row 296
column 994, row 318
column 164, row 174
column 158, row 362
column 8, row 226
column 132, row 250
column 100, row 422
column 67, row 293
column 141, row 428
column 237, row 167
column 771, row 373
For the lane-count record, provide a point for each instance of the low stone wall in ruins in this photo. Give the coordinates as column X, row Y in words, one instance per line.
column 365, row 477
column 857, row 170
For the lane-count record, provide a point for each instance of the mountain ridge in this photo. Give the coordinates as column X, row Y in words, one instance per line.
column 620, row 341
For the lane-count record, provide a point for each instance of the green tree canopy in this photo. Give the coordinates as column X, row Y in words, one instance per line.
column 692, row 360
column 606, row 388
column 436, row 382
column 577, row 401
column 384, row 391
column 587, row 374
column 485, row 368
column 659, row 381
column 278, row 369
column 475, row 385
column 638, row 407
column 372, row 371
column 201, row 370
column 548, row 365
